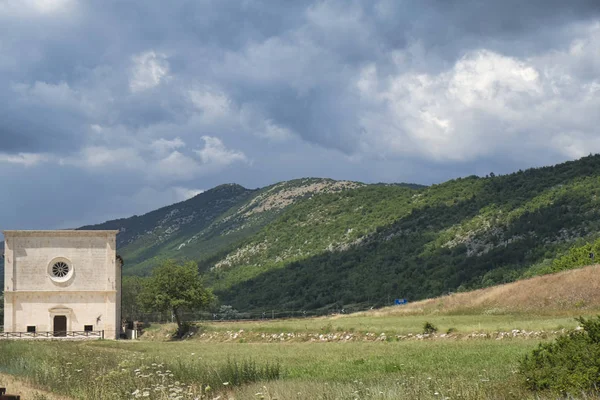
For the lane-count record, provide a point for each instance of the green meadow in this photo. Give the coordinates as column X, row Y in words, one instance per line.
column 250, row 365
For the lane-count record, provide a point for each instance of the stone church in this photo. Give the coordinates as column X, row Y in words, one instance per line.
column 62, row 282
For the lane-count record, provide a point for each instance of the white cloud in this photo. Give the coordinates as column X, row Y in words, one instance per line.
column 175, row 166
column 149, row 70
column 96, row 128
column 102, row 157
column 50, row 6
column 162, row 160
column 253, row 121
column 43, row 7
column 26, row 159
column 485, row 103
column 164, row 165
column 486, row 78
column 213, row 104
column 215, row 154
column 164, row 146
column 296, row 62
column 56, row 96
column 183, row 193
column 275, row 132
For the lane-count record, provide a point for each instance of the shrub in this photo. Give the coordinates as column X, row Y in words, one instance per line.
column 327, row 328
column 429, row 328
column 569, row 365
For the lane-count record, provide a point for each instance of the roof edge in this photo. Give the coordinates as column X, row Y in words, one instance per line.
column 69, row 232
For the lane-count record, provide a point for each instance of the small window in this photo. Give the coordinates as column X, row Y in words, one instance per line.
column 31, row 329
column 88, row 328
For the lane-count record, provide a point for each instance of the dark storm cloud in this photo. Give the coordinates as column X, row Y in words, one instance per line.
column 37, row 126
column 177, row 97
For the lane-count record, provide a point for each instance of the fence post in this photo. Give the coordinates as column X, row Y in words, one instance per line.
column 102, row 337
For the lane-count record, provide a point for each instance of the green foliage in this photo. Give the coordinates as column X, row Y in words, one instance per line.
column 247, row 371
column 577, row 257
column 429, row 328
column 176, row 288
column 131, row 287
column 569, row 365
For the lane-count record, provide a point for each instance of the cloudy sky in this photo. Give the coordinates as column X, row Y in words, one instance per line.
column 111, row 108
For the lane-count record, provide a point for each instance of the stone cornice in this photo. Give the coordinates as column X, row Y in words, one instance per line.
column 61, row 233
column 58, row 292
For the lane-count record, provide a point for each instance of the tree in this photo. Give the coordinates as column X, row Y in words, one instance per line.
column 176, row 288
column 130, row 290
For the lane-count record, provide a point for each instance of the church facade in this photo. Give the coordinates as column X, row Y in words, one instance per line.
column 62, row 282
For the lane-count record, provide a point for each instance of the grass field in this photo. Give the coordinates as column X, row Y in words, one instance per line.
column 451, row 368
column 298, row 359
column 434, row 369
column 402, row 325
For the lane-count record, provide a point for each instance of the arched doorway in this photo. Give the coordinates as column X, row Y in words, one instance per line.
column 60, row 325
column 60, row 320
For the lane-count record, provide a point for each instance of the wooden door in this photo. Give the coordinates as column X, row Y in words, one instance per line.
column 60, row 325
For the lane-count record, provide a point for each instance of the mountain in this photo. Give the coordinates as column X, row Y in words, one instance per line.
column 463, row 234
column 318, row 243
column 210, row 222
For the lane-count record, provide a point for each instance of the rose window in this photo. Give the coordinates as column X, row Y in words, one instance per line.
column 60, row 269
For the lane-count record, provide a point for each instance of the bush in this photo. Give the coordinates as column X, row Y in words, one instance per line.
column 429, row 328
column 569, row 365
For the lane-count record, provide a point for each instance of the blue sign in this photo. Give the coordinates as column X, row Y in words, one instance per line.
column 399, row 302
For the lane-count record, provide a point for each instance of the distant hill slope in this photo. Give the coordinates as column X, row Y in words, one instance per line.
column 554, row 294
column 143, row 240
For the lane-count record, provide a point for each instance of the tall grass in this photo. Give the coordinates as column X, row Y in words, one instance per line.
column 564, row 293
column 84, row 372
column 455, row 369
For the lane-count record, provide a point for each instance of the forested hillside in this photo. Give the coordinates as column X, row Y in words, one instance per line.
column 144, row 240
column 463, row 234
column 209, row 223
column 317, row 243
